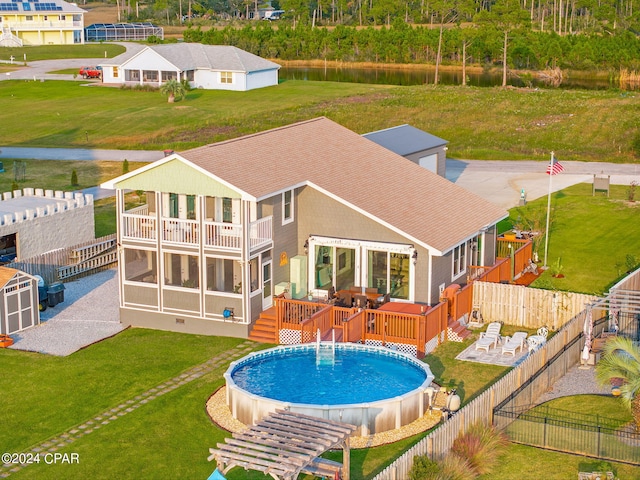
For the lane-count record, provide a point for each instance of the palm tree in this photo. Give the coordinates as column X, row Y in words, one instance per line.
column 621, row 360
column 174, row 89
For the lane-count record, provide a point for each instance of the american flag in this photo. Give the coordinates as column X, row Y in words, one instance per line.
column 555, row 167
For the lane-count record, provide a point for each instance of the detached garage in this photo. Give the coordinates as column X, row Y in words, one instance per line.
column 18, row 301
column 428, row 151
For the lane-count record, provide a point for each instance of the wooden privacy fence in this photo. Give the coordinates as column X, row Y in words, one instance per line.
column 534, row 376
column 527, row 307
column 82, row 259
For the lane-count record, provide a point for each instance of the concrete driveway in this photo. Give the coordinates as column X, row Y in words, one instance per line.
column 501, row 182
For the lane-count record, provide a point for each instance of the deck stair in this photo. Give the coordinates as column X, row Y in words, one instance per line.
column 457, row 331
column 264, row 329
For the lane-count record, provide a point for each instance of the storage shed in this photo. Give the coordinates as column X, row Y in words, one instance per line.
column 18, row 301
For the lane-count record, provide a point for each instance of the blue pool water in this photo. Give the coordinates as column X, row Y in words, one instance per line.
column 356, row 376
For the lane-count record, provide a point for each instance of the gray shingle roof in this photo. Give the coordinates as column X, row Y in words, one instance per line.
column 194, row 56
column 405, row 139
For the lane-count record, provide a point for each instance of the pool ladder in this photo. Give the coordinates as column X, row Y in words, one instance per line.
column 325, row 351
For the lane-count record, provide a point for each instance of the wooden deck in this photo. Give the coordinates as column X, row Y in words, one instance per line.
column 285, row 444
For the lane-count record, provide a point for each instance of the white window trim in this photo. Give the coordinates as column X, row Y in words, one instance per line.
column 463, row 268
column 286, row 221
column 225, row 72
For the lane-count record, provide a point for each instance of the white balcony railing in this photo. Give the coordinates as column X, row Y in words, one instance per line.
column 139, row 227
column 176, row 230
column 25, row 25
column 261, row 232
column 226, row 236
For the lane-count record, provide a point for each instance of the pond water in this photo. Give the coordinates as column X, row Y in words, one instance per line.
column 398, row 76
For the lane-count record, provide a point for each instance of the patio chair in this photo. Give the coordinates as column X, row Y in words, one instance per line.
column 512, row 344
column 489, row 338
column 361, row 301
column 534, row 343
column 344, row 299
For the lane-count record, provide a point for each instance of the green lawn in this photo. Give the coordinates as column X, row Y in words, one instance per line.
column 479, row 123
column 52, row 52
column 169, row 437
column 560, row 466
column 596, row 238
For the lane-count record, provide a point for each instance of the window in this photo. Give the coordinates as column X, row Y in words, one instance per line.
column 29, row 18
column 166, row 76
column 254, row 274
column 190, row 75
column 460, row 260
column 140, row 266
column 181, row 270
column 115, row 72
column 227, row 210
column 149, row 75
column 224, row 275
column 287, row 207
column 62, row 18
column 226, row 77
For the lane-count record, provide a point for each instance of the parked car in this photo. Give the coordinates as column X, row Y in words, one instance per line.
column 90, row 72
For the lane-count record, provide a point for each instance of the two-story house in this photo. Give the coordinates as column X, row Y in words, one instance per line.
column 35, row 22
column 311, row 205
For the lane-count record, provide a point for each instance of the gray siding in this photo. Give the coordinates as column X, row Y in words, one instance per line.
column 321, row 215
column 182, row 323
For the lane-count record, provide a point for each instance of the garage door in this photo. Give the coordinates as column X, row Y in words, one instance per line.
column 430, row 162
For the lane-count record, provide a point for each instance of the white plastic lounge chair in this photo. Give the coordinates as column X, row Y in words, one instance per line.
column 512, row 344
column 489, row 338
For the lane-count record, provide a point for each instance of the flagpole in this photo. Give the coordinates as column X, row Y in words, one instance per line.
column 546, row 234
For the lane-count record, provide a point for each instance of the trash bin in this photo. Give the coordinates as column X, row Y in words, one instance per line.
column 55, row 294
column 42, row 294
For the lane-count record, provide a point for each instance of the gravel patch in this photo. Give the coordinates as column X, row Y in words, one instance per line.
column 577, row 381
column 89, row 313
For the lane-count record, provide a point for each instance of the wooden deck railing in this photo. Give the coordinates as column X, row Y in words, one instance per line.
column 321, row 320
column 353, row 325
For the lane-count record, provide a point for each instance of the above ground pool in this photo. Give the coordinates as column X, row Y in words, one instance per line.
column 373, row 388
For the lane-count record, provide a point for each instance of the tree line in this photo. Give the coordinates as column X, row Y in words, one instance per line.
column 486, row 43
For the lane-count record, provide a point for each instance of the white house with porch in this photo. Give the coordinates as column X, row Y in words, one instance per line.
column 212, row 67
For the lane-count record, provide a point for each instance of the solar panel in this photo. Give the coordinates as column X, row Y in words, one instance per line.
column 11, row 7
column 26, row 7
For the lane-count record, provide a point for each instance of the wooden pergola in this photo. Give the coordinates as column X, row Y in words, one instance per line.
column 286, row 444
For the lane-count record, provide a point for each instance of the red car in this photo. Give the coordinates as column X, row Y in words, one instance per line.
column 90, row 72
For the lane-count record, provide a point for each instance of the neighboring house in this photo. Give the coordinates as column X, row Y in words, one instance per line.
column 226, row 222
column 34, row 22
column 33, row 222
column 18, row 301
column 219, row 67
column 420, row 147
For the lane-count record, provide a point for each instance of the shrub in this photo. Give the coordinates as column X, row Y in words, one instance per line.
column 480, row 447
column 631, row 191
column 454, row 467
column 74, row 178
column 423, row 468
column 15, row 186
column 125, row 166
